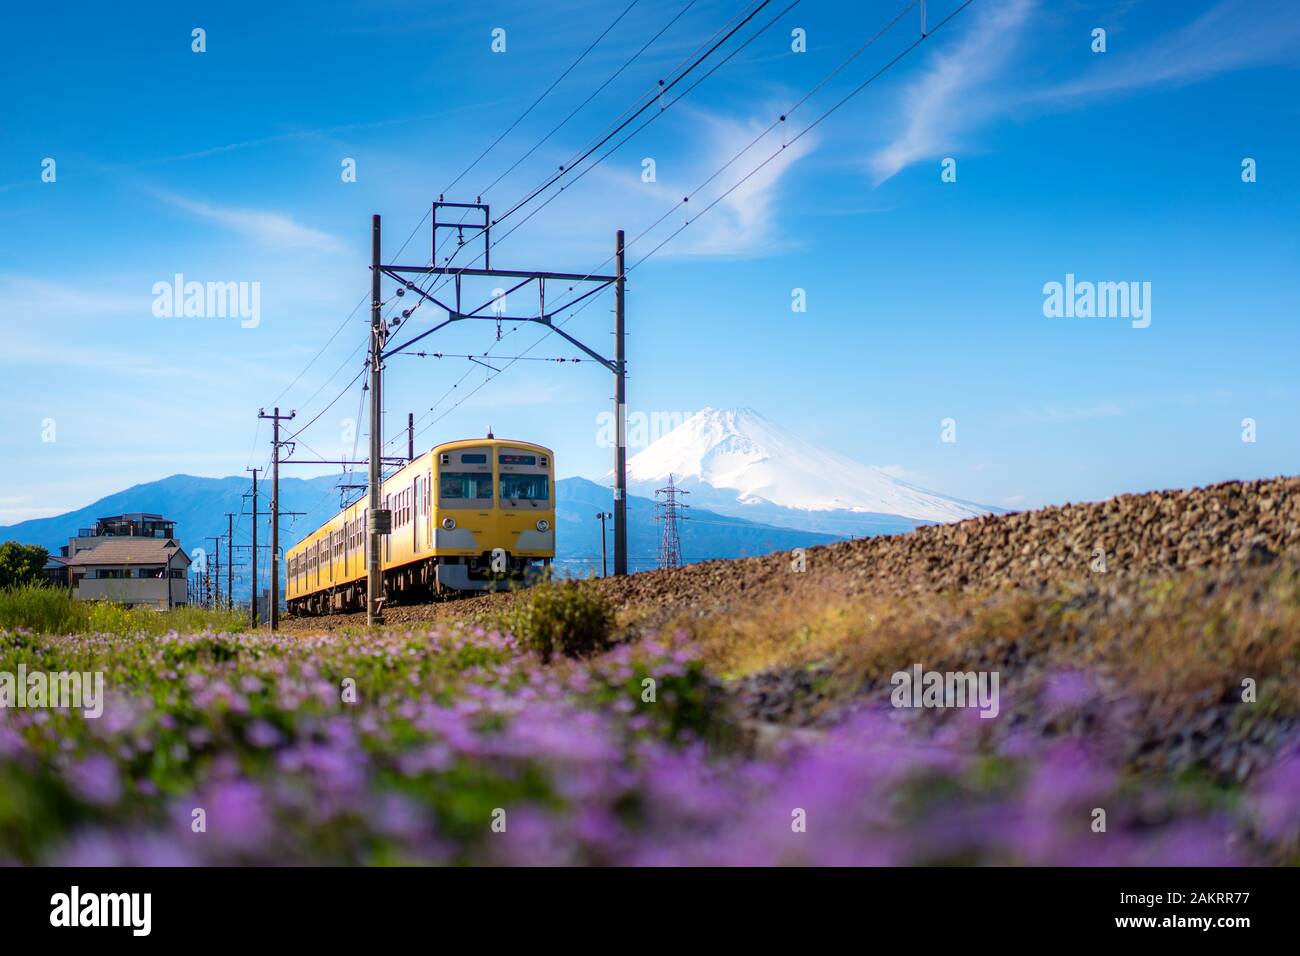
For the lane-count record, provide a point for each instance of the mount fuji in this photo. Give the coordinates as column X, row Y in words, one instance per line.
column 736, row 462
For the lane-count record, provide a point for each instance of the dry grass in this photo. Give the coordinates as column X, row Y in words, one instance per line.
column 1178, row 642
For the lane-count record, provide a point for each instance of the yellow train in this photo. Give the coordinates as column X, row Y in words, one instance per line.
column 472, row 515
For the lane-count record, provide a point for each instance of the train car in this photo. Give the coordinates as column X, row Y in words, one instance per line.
column 471, row 515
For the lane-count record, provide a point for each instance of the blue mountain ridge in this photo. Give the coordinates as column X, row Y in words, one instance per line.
column 199, row 507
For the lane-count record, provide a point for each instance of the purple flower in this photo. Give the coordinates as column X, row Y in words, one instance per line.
column 262, row 735
column 95, row 780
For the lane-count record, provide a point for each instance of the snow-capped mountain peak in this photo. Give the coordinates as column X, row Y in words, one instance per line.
column 737, row 457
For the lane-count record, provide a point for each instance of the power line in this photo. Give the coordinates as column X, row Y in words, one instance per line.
column 467, row 169
column 577, row 109
column 481, row 156
column 661, row 219
column 807, row 129
column 854, row 92
column 671, row 103
column 437, row 284
column 335, row 399
column 645, row 106
column 782, row 118
column 500, row 358
column 715, row 45
column 556, row 82
column 656, row 94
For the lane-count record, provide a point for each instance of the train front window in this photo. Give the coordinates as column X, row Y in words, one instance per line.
column 517, row 489
column 465, row 486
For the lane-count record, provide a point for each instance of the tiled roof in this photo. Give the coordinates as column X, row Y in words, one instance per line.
column 127, row 551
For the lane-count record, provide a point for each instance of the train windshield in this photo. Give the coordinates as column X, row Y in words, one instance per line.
column 530, row 488
column 465, row 485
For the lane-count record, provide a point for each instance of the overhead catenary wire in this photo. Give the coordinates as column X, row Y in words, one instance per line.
column 346, row 388
column 600, row 140
column 499, row 358
column 655, row 94
column 402, row 249
column 554, row 83
column 665, row 88
column 718, row 172
column 457, row 179
column 577, row 109
column 539, row 143
column 782, row 118
column 785, row 145
column 808, row 129
column 613, row 149
column 586, row 152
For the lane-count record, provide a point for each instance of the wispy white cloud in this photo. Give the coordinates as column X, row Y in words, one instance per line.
column 958, row 90
column 1057, row 414
column 939, row 106
column 23, row 508
column 58, row 300
column 165, row 368
column 743, row 222
column 1230, row 36
column 268, row 228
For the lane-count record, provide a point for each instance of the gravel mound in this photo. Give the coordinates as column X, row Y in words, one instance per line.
column 1225, row 525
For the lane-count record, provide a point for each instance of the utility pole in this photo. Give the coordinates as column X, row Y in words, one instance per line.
column 205, row 585
column 620, row 416
column 276, row 418
column 253, row 590
column 410, row 436
column 216, row 553
column 670, row 547
column 230, row 560
column 378, row 523
column 602, row 515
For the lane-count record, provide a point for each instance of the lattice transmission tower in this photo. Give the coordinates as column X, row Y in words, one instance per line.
column 669, row 511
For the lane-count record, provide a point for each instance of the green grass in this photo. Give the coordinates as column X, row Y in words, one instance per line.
column 48, row 610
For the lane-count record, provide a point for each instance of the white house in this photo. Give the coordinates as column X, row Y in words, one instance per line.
column 129, row 559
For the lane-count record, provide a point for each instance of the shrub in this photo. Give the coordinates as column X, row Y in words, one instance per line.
column 571, row 617
column 21, row 564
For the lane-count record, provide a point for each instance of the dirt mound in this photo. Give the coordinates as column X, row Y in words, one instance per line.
column 1139, row 535
column 1224, row 525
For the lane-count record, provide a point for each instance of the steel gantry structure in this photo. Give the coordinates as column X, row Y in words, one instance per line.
column 456, row 312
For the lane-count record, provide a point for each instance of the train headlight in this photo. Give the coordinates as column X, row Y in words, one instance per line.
column 449, row 523
column 543, row 524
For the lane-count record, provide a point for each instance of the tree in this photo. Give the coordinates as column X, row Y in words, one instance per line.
column 21, row 564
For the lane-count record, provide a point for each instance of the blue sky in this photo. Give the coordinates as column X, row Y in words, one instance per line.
column 924, row 297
